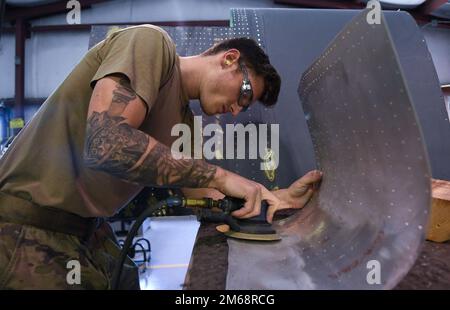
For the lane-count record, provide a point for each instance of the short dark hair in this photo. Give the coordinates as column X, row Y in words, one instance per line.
column 255, row 58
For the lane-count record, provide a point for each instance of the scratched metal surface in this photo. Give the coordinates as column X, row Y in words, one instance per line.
column 375, row 196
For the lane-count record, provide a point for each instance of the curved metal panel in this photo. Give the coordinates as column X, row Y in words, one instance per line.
column 372, row 208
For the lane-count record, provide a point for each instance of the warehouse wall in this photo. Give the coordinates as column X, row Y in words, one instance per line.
column 438, row 41
column 50, row 56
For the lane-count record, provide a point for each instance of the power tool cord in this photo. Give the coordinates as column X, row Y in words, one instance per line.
column 170, row 202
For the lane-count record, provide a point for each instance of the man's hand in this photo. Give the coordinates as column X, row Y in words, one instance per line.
column 252, row 192
column 297, row 194
column 293, row 197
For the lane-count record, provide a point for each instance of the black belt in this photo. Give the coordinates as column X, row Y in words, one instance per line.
column 20, row 211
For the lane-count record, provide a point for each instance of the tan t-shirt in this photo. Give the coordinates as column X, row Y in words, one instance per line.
column 44, row 164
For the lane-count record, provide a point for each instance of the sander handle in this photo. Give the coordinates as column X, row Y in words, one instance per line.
column 230, row 204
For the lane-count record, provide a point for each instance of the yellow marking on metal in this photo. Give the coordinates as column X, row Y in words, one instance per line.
column 269, row 164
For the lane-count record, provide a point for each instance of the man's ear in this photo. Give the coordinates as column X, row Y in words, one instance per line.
column 230, row 57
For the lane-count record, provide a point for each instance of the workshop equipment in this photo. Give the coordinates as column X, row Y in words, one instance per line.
column 255, row 228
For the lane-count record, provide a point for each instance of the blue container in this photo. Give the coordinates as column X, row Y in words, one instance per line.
column 4, row 124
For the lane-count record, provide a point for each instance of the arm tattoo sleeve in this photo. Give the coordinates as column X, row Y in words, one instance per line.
column 115, row 147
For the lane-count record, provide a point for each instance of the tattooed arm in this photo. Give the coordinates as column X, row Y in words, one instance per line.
column 113, row 144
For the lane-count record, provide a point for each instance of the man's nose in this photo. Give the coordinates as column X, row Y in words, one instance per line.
column 235, row 109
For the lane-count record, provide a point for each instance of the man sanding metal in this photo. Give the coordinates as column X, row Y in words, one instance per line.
column 104, row 134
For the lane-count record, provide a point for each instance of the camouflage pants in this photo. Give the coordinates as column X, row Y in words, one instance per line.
column 33, row 258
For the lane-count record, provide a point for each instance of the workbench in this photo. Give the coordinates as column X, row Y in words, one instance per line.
column 209, row 264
